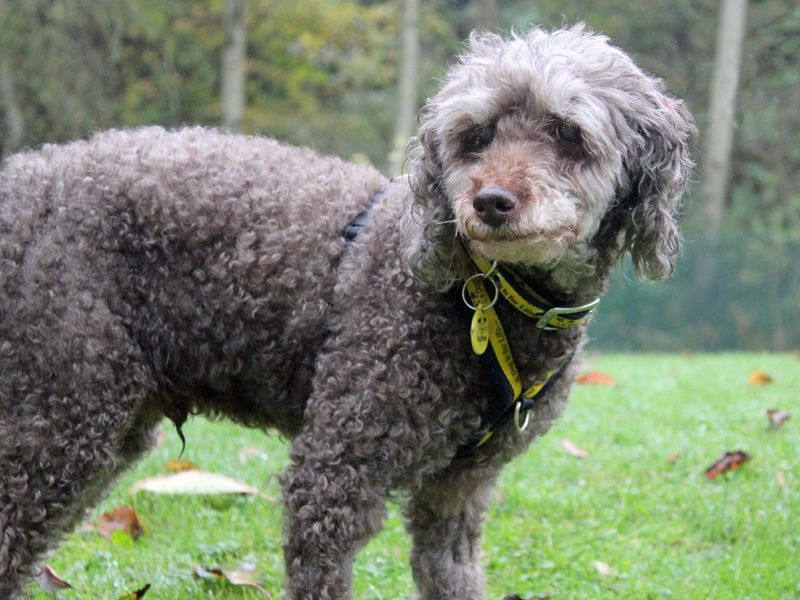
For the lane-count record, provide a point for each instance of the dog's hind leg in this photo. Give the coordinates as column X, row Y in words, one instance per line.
column 72, row 422
column 444, row 519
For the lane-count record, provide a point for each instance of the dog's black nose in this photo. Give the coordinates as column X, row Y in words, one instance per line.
column 493, row 205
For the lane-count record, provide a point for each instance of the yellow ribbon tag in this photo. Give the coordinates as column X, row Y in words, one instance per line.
column 480, row 331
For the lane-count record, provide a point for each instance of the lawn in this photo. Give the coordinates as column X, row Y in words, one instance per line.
column 637, row 518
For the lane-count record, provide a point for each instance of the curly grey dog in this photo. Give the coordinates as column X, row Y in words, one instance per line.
column 154, row 273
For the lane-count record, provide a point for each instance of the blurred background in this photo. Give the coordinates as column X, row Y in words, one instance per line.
column 346, row 77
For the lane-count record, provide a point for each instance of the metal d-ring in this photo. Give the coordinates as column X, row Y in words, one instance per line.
column 487, row 276
column 524, row 425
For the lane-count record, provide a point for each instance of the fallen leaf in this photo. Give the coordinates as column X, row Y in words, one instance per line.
column 730, row 460
column 780, row 479
column 193, row 482
column 137, row 594
column 178, row 466
column 240, row 577
column 673, row 458
column 50, row 581
column 574, row 450
column 759, row 378
column 204, row 573
column 602, row 568
column 777, row 417
column 595, row 378
column 122, row 518
column 234, row 577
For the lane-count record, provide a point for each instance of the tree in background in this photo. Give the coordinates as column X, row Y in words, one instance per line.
column 233, row 65
column 407, row 86
column 722, row 114
column 8, row 91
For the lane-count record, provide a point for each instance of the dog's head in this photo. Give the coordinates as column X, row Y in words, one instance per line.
column 555, row 148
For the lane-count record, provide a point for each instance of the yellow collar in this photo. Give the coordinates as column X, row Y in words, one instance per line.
column 547, row 317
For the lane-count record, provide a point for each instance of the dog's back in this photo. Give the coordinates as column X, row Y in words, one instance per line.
column 215, row 255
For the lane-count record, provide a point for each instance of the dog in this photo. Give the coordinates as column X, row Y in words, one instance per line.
column 410, row 336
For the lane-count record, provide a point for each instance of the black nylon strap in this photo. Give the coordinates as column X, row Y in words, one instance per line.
column 503, row 405
column 362, row 220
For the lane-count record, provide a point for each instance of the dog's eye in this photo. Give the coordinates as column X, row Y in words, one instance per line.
column 477, row 139
column 568, row 133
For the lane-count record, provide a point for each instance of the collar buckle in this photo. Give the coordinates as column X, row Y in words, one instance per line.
column 544, row 321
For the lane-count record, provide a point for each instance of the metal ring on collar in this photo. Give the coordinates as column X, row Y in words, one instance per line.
column 487, row 276
column 524, row 425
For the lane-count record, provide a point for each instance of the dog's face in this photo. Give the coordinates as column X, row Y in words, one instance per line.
column 537, row 140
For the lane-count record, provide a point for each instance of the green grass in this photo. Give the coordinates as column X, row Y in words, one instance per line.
column 640, row 503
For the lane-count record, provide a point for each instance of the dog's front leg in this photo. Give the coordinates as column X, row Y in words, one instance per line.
column 444, row 519
column 334, row 495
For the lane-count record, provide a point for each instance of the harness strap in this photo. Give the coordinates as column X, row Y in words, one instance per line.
column 499, row 411
column 500, row 371
column 490, row 343
column 363, row 219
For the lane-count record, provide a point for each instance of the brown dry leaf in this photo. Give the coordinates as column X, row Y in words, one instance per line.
column 595, row 378
column 759, row 378
column 193, row 482
column 177, row 466
column 574, row 450
column 137, row 594
column 234, row 577
column 122, row 518
column 673, row 458
column 728, row 461
column 777, row 417
column 50, row 581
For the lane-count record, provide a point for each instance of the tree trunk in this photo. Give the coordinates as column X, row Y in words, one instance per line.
column 233, row 63
column 719, row 141
column 15, row 122
column 722, row 114
column 407, row 91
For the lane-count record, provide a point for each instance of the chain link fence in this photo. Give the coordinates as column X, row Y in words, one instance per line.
column 738, row 294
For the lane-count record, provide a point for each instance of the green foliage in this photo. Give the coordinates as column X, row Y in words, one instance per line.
column 639, row 503
column 320, row 74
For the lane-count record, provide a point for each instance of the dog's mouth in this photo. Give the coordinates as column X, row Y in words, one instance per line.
column 513, row 244
column 510, row 233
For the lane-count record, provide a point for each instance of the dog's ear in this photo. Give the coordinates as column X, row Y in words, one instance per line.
column 659, row 171
column 425, row 165
column 429, row 252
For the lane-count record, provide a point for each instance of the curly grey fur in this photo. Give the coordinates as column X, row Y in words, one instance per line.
column 151, row 273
